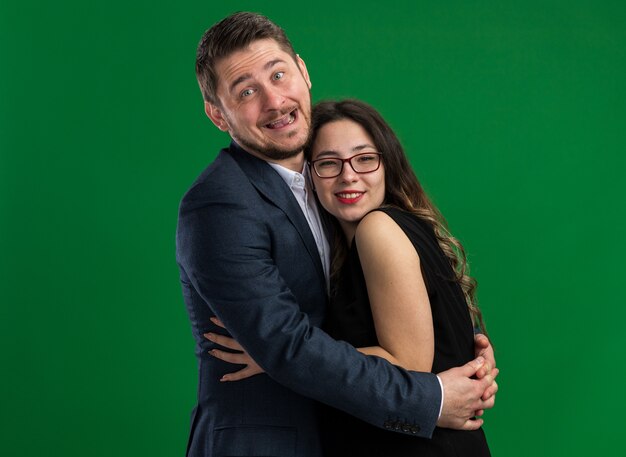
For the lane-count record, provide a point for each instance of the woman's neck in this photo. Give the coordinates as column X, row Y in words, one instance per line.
column 349, row 229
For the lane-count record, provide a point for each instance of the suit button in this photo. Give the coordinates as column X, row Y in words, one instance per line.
column 415, row 429
column 387, row 425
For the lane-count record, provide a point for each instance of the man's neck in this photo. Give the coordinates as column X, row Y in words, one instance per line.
column 293, row 163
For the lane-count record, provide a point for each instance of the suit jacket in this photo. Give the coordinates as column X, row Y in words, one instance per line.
column 246, row 255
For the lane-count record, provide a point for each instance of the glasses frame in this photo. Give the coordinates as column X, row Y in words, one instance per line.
column 343, row 161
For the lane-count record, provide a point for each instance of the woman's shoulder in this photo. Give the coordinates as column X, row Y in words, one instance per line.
column 408, row 221
column 398, row 222
column 377, row 223
column 382, row 232
column 380, row 241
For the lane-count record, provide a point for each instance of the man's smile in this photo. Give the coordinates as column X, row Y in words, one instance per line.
column 283, row 121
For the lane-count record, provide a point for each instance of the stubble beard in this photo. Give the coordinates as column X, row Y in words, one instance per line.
column 274, row 153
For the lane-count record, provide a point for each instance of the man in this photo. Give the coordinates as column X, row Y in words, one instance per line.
column 252, row 251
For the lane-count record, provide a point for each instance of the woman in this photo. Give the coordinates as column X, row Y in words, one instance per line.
column 399, row 285
column 400, row 288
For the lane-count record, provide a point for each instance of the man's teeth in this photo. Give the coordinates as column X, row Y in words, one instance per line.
column 352, row 195
column 287, row 120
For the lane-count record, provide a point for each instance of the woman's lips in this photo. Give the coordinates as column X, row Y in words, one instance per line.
column 349, row 197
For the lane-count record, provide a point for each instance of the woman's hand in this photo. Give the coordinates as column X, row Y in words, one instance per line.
column 241, row 357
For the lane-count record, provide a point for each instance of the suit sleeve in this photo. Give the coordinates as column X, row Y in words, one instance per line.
column 225, row 251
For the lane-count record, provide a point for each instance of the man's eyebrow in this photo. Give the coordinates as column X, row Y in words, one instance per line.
column 246, row 76
column 271, row 63
column 239, row 80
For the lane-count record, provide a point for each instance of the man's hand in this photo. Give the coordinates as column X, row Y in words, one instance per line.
column 483, row 348
column 462, row 396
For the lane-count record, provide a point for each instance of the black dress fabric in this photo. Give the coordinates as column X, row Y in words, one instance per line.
column 350, row 319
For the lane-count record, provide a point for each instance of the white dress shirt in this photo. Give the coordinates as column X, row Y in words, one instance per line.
column 300, row 185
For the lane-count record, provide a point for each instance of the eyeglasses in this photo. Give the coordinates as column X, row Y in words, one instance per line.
column 366, row 162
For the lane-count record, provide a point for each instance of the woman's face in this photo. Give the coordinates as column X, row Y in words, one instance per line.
column 351, row 195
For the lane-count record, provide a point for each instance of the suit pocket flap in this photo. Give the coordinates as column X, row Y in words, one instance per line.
column 254, row 441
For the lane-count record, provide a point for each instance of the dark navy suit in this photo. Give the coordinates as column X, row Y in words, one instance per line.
column 247, row 255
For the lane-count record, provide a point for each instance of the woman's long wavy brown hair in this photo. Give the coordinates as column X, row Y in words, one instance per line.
column 402, row 190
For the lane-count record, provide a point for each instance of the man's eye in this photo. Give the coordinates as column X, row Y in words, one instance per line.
column 278, row 75
column 247, row 93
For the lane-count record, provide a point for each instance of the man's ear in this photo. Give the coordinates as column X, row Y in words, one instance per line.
column 303, row 70
column 217, row 117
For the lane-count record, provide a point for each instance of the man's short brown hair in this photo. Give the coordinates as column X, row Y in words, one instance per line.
column 232, row 34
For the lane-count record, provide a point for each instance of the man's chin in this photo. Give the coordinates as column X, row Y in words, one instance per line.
column 272, row 153
column 280, row 154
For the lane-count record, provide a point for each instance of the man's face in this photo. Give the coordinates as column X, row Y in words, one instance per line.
column 265, row 100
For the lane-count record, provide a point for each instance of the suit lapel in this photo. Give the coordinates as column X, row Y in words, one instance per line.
column 273, row 188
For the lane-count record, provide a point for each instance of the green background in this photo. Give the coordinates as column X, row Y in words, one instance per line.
column 513, row 114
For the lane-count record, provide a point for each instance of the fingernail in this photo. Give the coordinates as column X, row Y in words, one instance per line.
column 209, row 336
column 212, row 352
column 480, row 360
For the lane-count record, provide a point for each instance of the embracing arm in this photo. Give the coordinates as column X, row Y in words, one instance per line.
column 397, row 293
column 228, row 255
column 226, row 252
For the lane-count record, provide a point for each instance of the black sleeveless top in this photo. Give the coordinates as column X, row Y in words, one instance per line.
column 350, row 319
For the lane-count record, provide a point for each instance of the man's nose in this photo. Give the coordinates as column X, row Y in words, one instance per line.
column 274, row 98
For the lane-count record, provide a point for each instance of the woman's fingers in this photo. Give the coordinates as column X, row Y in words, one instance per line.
column 241, row 357
column 238, row 358
column 241, row 374
column 225, row 341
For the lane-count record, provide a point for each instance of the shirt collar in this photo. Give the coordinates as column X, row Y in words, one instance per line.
column 292, row 178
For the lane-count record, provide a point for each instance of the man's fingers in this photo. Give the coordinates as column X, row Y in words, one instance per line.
column 490, row 392
column 225, row 341
column 492, row 388
column 482, row 347
column 472, row 424
column 487, row 370
column 484, row 370
column 470, row 368
column 489, row 403
column 481, row 341
column 486, row 381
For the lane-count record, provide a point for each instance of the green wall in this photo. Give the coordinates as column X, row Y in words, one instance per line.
column 513, row 114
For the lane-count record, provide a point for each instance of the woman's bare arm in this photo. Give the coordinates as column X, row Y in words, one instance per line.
column 397, row 293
